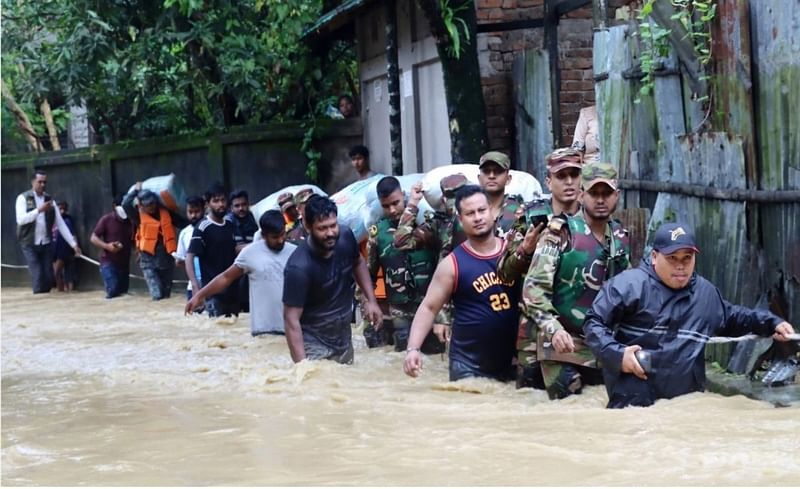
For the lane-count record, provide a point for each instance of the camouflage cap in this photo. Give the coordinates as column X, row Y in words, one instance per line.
column 285, row 197
column 563, row 158
column 598, row 172
column 302, row 196
column 451, row 183
column 496, row 157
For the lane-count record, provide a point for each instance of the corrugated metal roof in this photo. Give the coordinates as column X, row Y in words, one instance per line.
column 336, row 18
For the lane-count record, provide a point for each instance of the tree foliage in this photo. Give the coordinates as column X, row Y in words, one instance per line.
column 145, row 68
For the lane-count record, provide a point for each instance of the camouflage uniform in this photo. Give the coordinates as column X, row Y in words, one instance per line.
column 437, row 232
column 298, row 233
column 407, row 274
column 514, row 263
column 569, row 267
column 286, row 202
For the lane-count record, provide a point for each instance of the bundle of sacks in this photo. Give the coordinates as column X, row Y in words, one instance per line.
column 169, row 191
column 271, row 201
column 359, row 207
column 522, row 183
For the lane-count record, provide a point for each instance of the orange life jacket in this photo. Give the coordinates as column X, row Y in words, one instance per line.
column 149, row 230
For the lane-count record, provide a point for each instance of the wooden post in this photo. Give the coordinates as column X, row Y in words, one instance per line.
column 531, row 74
column 599, row 14
column 551, row 45
column 393, row 73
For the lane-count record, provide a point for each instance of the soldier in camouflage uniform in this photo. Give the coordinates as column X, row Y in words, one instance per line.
column 289, row 210
column 438, row 232
column 298, row 233
column 563, row 181
column 407, row 272
column 493, row 178
column 573, row 257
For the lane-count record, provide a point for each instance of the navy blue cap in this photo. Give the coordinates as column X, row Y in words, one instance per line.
column 673, row 236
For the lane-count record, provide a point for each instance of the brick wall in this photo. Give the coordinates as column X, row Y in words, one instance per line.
column 496, row 52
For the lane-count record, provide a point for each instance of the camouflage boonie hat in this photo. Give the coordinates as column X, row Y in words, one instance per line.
column 501, row 159
column 563, row 158
column 598, row 172
column 451, row 183
column 303, row 196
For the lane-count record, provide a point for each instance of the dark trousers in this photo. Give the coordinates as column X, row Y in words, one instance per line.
column 159, row 282
column 40, row 265
column 116, row 280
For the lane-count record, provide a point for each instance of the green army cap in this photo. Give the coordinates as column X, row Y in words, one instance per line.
column 303, row 196
column 497, row 157
column 451, row 183
column 563, row 158
column 598, row 172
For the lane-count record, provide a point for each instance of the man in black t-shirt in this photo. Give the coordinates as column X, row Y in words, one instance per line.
column 214, row 243
column 318, row 287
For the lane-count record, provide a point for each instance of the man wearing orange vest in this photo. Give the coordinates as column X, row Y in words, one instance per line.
column 156, row 240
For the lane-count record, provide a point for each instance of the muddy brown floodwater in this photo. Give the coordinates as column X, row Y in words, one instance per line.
column 131, row 392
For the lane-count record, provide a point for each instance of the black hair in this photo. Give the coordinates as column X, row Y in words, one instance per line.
column 468, row 191
column 118, row 200
column 215, row 190
column 271, row 222
column 37, row 172
column 317, row 208
column 346, row 97
column 359, row 150
column 239, row 194
column 386, row 186
column 195, row 201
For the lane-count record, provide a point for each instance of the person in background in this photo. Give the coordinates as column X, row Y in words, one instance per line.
column 156, row 240
column 195, row 210
column 359, row 158
column 214, row 243
column 287, row 206
column 586, row 135
column 113, row 234
column 347, row 107
column 64, row 269
column 299, row 232
column 318, row 287
column 36, row 216
column 649, row 326
column 246, row 229
column 262, row 263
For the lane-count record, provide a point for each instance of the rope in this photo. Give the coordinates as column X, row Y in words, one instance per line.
column 747, row 337
column 93, row 262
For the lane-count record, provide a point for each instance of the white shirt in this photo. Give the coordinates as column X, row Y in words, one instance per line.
column 264, row 268
column 42, row 234
column 184, row 238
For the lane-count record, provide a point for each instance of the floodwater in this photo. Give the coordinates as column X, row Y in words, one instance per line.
column 131, row 392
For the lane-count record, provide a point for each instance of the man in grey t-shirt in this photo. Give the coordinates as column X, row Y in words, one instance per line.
column 263, row 261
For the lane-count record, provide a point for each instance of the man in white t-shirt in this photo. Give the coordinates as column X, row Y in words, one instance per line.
column 195, row 207
column 263, row 261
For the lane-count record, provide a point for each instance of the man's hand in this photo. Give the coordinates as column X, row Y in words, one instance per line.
column 630, row 365
column 563, row 342
column 138, row 186
column 373, row 313
column 442, row 331
column 114, row 247
column 195, row 303
column 412, row 365
column 77, row 250
column 783, row 331
column 416, row 195
column 531, row 238
column 45, row 206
